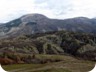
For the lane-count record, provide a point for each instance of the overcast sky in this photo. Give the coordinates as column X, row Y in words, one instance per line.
column 61, row 9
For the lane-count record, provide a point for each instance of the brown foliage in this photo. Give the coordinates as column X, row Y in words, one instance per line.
column 6, row 61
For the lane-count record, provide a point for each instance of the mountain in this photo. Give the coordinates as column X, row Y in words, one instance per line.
column 37, row 23
column 41, row 42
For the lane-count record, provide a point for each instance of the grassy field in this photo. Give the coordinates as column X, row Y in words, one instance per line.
column 68, row 64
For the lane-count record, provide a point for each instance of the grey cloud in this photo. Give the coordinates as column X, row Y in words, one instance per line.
column 40, row 1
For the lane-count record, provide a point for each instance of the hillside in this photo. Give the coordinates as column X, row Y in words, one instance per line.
column 58, row 43
column 49, row 52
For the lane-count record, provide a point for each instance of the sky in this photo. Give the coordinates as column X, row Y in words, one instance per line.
column 58, row 9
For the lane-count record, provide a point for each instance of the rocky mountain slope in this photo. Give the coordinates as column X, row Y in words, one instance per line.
column 37, row 23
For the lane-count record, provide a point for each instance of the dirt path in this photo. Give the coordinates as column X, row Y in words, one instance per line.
column 28, row 69
column 18, row 70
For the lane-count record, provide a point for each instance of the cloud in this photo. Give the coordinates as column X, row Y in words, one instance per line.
column 11, row 9
column 69, row 8
column 56, row 7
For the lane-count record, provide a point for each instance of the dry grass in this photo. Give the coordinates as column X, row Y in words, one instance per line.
column 68, row 64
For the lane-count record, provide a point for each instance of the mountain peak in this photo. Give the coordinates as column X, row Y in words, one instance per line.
column 33, row 17
column 82, row 18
